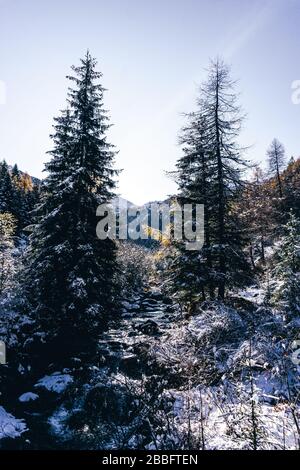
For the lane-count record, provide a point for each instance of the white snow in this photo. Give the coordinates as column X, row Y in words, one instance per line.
column 57, row 422
column 253, row 294
column 130, row 306
column 55, row 383
column 28, row 396
column 10, row 426
column 276, row 421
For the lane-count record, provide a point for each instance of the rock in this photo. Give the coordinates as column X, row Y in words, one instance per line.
column 10, row 427
column 126, row 315
column 132, row 333
column 109, row 402
column 169, row 309
column 155, row 294
column 28, row 397
column 141, row 349
column 130, row 364
column 55, row 382
column 130, row 307
column 148, row 309
column 150, row 327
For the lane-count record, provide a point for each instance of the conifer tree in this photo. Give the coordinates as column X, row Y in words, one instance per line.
column 276, row 160
column 15, row 173
column 257, row 213
column 18, row 198
column 6, row 189
column 288, row 268
column 69, row 274
column 291, row 182
column 190, row 272
column 223, row 117
column 30, row 198
column 7, row 262
column 209, row 173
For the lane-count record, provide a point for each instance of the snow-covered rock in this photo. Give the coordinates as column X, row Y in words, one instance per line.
column 55, row 382
column 28, row 396
column 10, row 426
column 130, row 307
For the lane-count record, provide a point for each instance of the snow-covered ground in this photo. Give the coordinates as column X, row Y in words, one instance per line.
column 227, row 425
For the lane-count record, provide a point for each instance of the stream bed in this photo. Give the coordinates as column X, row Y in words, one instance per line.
column 39, row 401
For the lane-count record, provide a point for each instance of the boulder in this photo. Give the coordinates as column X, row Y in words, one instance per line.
column 150, row 327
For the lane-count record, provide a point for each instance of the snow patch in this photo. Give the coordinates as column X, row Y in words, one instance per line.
column 28, row 396
column 10, row 426
column 55, row 383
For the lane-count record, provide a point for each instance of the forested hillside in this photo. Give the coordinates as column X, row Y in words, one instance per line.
column 145, row 344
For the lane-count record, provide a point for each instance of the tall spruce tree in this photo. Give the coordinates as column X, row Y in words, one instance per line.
column 190, row 272
column 276, row 160
column 69, row 273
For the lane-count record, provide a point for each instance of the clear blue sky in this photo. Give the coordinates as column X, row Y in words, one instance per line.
column 153, row 55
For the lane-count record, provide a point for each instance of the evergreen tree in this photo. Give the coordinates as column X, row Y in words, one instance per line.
column 30, row 199
column 190, row 272
column 69, row 277
column 7, row 263
column 18, row 198
column 288, row 268
column 291, row 182
column 15, row 173
column 276, row 160
column 6, row 189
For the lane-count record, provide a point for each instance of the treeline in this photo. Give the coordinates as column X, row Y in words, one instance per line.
column 266, row 203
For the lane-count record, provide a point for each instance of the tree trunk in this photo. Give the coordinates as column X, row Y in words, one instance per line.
column 262, row 243
column 251, row 256
column 221, row 202
column 207, row 227
column 279, row 183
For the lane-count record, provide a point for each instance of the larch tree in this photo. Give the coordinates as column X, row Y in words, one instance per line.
column 257, row 214
column 210, row 173
column 276, row 161
column 69, row 273
column 17, row 195
column 224, row 119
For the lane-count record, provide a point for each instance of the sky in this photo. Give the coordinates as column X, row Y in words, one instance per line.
column 153, row 56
